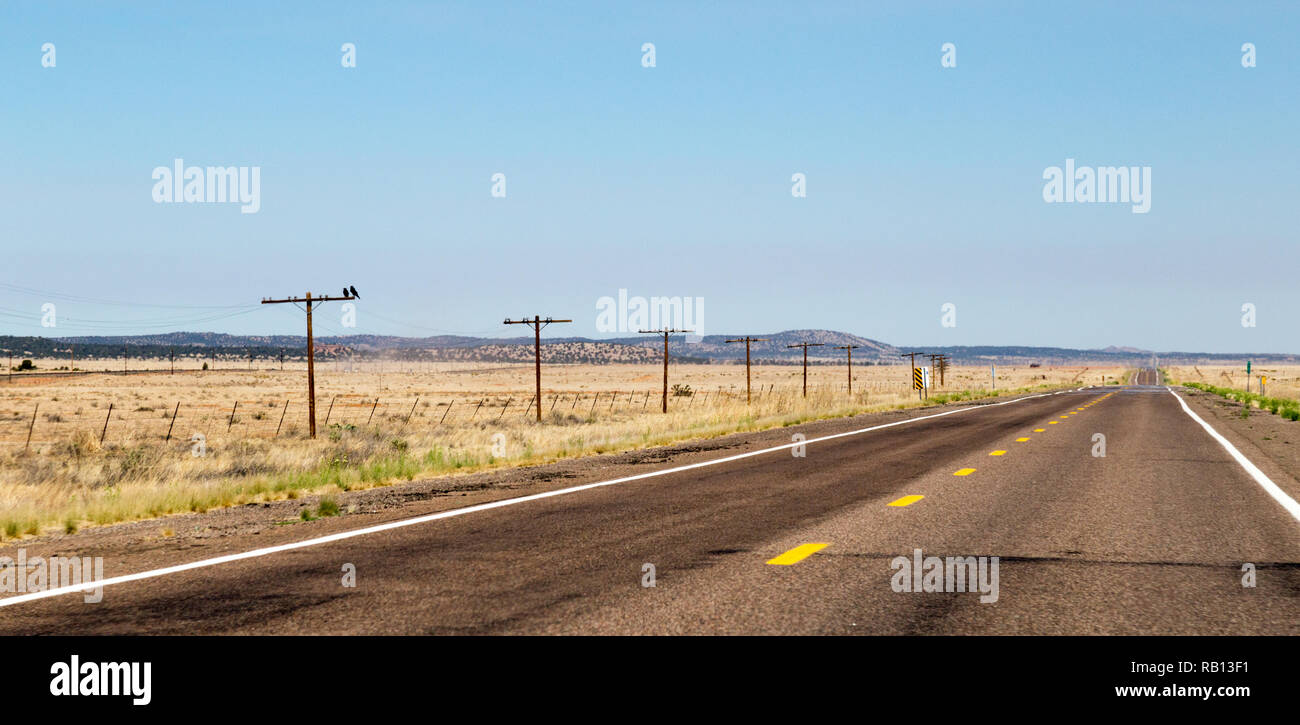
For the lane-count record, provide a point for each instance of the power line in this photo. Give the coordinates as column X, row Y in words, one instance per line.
column 65, row 296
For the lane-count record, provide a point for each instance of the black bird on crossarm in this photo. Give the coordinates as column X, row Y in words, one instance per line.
column 345, row 291
column 354, row 292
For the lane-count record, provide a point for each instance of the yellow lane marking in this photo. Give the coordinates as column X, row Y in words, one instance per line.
column 906, row 500
column 1039, row 430
column 1065, row 416
column 1051, row 422
column 963, row 472
column 797, row 554
column 998, row 453
column 1021, row 440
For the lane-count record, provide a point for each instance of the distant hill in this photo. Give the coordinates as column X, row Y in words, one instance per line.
column 637, row 348
column 774, row 347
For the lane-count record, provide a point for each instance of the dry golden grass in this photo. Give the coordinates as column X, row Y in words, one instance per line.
column 1283, row 381
column 68, row 479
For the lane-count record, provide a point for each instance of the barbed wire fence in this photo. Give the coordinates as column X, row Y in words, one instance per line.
column 30, row 422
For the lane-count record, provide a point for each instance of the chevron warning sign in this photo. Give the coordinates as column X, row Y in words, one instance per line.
column 918, row 381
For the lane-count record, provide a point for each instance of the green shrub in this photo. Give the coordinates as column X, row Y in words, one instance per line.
column 327, row 507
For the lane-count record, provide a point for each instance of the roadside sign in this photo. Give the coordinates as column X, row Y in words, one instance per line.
column 918, row 381
column 1248, row 367
column 925, row 378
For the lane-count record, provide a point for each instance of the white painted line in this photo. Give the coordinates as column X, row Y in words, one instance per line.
column 73, row 588
column 1263, row 480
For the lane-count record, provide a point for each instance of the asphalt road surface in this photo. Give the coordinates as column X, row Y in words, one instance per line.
column 1144, row 531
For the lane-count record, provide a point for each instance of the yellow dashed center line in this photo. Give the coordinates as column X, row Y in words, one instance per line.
column 802, row 552
column 906, row 500
column 797, row 554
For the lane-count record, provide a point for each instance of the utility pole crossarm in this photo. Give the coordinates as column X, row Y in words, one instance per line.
column 525, row 321
column 269, row 301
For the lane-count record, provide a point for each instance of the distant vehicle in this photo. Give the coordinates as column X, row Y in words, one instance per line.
column 1035, row 365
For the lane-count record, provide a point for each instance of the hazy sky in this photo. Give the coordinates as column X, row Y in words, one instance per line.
column 924, row 183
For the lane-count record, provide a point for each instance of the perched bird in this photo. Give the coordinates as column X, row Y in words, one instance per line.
column 345, row 291
column 354, row 293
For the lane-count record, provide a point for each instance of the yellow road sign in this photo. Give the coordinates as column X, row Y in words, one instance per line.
column 917, row 379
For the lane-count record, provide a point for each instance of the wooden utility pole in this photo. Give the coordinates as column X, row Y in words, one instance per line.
column 537, row 323
column 665, row 332
column 747, row 339
column 805, row 346
column 938, row 364
column 849, row 349
column 172, row 355
column 311, row 349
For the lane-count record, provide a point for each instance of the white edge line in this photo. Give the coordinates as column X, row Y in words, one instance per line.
column 84, row 586
column 1260, row 477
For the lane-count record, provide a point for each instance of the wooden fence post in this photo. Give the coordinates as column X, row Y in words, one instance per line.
column 105, row 431
column 31, row 425
column 282, row 412
column 173, row 423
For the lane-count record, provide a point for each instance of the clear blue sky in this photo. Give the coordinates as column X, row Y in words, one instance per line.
column 924, row 183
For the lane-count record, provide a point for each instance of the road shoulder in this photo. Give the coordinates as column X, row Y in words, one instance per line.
column 1270, row 441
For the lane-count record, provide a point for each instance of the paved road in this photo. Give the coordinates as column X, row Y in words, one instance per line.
column 1146, row 376
column 1150, row 537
